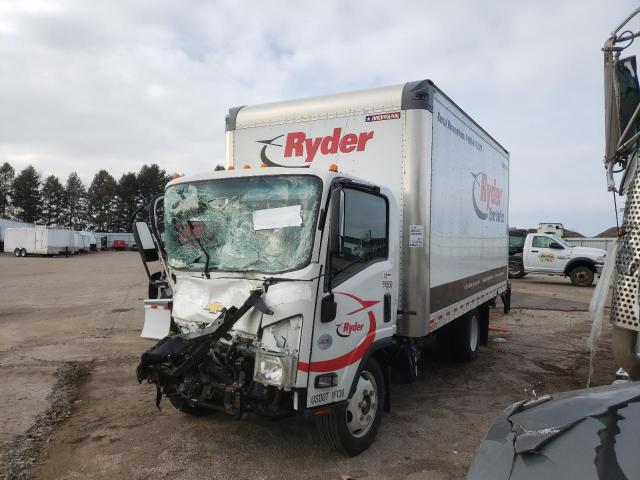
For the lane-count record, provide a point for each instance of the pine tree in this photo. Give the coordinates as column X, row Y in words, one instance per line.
column 25, row 195
column 127, row 200
column 7, row 173
column 151, row 181
column 102, row 201
column 53, row 201
column 75, row 204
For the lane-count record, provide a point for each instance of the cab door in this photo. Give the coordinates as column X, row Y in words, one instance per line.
column 359, row 284
column 544, row 258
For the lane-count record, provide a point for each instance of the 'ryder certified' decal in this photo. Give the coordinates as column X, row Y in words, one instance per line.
column 355, row 354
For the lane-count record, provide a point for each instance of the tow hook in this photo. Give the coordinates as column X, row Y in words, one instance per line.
column 233, row 401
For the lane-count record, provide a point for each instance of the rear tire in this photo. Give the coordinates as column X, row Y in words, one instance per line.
column 466, row 336
column 582, row 277
column 23, row 252
column 16, row 252
column 516, row 270
column 352, row 428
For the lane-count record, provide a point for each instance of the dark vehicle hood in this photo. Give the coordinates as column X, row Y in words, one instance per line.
column 584, row 434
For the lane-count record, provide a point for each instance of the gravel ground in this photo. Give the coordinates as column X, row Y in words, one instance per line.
column 73, row 409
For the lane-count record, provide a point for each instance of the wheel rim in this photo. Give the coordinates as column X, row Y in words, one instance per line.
column 473, row 333
column 16, row 252
column 363, row 406
column 582, row 277
column 514, row 269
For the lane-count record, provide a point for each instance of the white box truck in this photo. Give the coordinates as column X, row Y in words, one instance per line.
column 303, row 278
column 38, row 240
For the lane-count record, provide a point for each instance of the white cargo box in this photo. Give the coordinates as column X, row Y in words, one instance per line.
column 450, row 176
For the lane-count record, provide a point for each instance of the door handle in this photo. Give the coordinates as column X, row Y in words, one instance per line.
column 534, row 251
column 387, row 307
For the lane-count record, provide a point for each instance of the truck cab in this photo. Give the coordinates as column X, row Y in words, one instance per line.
column 550, row 254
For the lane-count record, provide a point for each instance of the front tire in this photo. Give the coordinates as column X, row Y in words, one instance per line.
column 16, row 252
column 582, row 277
column 352, row 428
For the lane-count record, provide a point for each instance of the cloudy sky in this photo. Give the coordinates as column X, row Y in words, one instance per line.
column 90, row 85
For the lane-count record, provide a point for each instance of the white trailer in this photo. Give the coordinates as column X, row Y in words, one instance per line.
column 345, row 229
column 84, row 241
column 39, row 240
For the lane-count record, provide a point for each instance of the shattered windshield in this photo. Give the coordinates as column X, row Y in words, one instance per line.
column 264, row 224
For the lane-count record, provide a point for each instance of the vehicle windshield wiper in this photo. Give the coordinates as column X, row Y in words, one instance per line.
column 206, row 254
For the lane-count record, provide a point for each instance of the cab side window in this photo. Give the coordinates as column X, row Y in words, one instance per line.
column 541, row 242
column 364, row 234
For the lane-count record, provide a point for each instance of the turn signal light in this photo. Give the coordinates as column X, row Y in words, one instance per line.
column 246, row 166
column 333, row 167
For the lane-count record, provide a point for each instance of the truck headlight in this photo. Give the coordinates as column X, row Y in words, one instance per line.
column 273, row 369
column 601, row 259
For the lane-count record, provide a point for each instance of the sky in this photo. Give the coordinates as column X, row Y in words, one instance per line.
column 113, row 85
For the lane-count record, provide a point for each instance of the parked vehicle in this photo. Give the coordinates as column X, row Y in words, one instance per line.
column 38, row 240
column 552, row 255
column 309, row 285
column 588, row 434
column 6, row 223
column 119, row 245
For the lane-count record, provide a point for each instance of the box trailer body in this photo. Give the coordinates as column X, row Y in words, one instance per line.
column 449, row 176
column 6, row 223
column 343, row 230
column 39, row 240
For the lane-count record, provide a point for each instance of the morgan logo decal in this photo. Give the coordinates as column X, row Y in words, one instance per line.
column 382, row 116
column 298, row 146
column 346, row 329
column 487, row 198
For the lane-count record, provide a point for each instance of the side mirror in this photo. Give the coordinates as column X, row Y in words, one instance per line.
column 336, row 221
column 328, row 309
column 144, row 240
column 556, row 246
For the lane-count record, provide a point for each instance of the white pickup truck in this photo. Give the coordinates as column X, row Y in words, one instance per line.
column 550, row 254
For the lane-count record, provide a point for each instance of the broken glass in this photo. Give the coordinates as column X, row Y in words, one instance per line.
column 222, row 214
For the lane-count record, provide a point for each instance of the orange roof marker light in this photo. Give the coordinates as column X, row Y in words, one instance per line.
column 246, row 166
column 333, row 167
column 231, row 167
column 264, row 165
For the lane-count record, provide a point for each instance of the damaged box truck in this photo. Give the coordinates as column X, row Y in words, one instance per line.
column 304, row 277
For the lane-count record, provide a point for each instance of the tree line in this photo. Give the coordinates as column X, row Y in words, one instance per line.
column 106, row 205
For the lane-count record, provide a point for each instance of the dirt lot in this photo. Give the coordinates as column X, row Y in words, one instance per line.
column 69, row 344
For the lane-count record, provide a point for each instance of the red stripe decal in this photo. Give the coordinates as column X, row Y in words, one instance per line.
column 365, row 303
column 346, row 359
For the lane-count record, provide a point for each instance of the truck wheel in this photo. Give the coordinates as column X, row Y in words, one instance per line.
column 16, row 252
column 582, row 277
column 466, row 336
column 516, row 270
column 23, row 252
column 352, row 428
column 186, row 406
